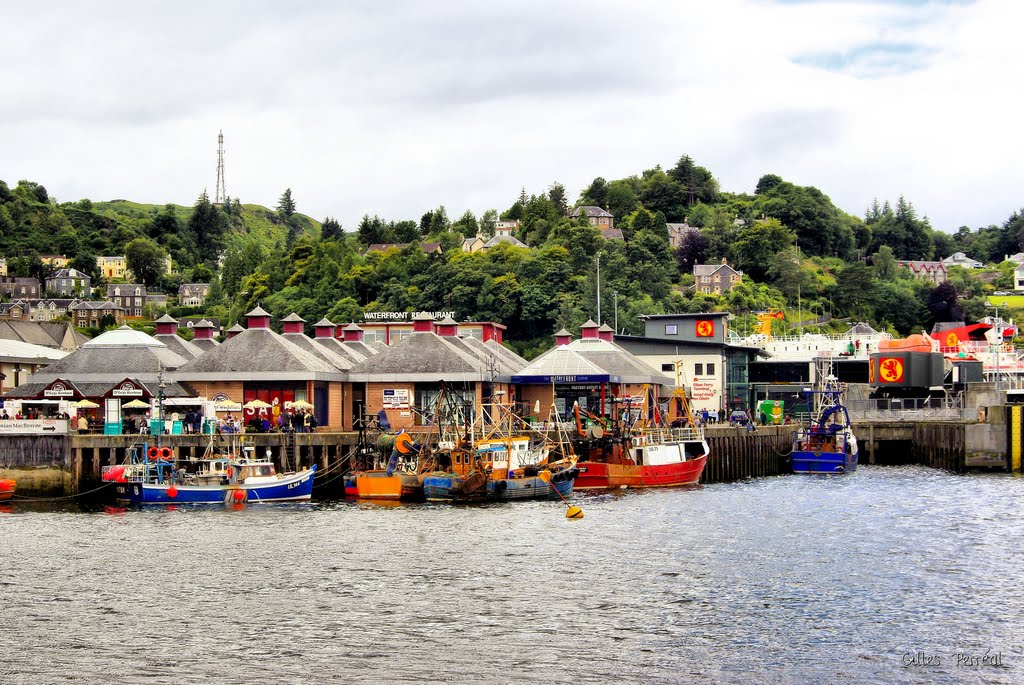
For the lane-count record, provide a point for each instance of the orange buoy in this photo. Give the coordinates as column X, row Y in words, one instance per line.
column 403, row 443
column 239, row 495
column 172, row 492
column 6, row 484
column 165, row 453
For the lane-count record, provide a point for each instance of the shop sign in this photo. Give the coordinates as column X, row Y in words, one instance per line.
column 396, row 398
column 704, row 391
column 33, row 427
column 58, row 389
column 126, row 389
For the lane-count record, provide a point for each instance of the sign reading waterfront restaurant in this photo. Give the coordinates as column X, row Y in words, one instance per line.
column 396, row 398
column 126, row 389
column 403, row 316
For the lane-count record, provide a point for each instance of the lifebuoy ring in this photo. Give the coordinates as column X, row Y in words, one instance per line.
column 231, row 472
column 153, row 452
column 165, row 453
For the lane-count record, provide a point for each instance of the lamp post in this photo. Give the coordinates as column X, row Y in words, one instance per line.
column 598, row 288
column 616, row 295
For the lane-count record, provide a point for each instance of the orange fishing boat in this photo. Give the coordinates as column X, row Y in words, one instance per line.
column 7, row 488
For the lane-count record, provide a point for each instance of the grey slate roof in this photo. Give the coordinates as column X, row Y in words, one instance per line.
column 590, row 211
column 183, row 348
column 258, row 311
column 504, row 238
column 256, row 354
column 334, row 357
column 422, row 357
column 293, row 317
column 205, row 344
column 166, row 318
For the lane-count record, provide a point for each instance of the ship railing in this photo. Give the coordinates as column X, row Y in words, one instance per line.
column 906, row 409
column 656, row 435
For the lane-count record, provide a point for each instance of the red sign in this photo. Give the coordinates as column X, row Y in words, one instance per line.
column 890, row 370
column 705, row 328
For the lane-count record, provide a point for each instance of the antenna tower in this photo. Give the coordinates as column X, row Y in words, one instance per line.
column 220, row 195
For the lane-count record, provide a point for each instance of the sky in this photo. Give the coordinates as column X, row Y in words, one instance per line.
column 393, row 108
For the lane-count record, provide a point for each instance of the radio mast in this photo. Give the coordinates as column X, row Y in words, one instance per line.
column 220, row 195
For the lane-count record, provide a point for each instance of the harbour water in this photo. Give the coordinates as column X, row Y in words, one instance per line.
column 892, row 575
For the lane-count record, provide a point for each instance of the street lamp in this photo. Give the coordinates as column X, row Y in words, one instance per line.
column 616, row 295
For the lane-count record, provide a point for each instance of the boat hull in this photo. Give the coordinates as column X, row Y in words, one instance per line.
column 596, row 475
column 378, row 485
column 8, row 487
column 296, row 487
column 823, row 462
column 447, row 487
column 533, row 487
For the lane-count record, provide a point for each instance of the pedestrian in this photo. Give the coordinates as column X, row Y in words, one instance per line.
column 83, row 424
column 307, row 417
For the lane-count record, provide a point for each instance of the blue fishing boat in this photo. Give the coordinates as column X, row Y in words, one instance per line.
column 155, row 477
column 827, row 444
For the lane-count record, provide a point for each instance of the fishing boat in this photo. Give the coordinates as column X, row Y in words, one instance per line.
column 827, row 444
column 510, row 462
column 8, row 486
column 639, row 450
column 152, row 475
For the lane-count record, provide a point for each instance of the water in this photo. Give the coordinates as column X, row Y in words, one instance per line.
column 778, row 580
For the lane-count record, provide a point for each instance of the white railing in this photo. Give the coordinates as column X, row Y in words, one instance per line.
column 911, row 409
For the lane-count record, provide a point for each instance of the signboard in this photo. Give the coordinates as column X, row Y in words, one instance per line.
column 396, row 398
column 403, row 316
column 58, row 389
column 126, row 389
column 705, row 328
column 703, row 391
column 33, row 427
column 890, row 370
column 596, row 378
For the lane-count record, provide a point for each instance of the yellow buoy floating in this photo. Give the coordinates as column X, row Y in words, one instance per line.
column 573, row 513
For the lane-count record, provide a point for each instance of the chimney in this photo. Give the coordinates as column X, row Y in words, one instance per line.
column 724, row 261
column 606, row 332
column 257, row 318
column 166, row 325
column 563, row 337
column 423, row 323
column 234, row 330
column 293, row 324
column 352, row 333
column 323, row 329
column 589, row 329
column 447, row 327
column 203, row 330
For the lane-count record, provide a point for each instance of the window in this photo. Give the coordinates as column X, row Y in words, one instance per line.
column 671, row 329
column 698, row 369
column 711, row 369
column 668, row 367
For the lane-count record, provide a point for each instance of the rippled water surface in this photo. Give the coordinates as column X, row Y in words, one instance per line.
column 779, row 580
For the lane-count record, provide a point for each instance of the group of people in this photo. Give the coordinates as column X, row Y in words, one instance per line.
column 707, row 417
column 294, row 421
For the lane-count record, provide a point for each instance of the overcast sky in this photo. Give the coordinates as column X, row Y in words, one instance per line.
column 393, row 108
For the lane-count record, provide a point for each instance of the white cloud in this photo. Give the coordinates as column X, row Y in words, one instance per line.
column 396, row 107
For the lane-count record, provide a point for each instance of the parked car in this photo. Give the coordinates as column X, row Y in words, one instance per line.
column 738, row 417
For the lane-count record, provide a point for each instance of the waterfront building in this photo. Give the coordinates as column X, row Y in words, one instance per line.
column 167, row 333
column 592, row 371
column 18, row 360
column 409, row 372
column 69, row 283
column 111, row 369
column 695, row 349
column 259, row 364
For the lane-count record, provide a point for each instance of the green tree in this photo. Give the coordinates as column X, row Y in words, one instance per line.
column 757, row 243
column 558, row 197
column 330, row 229
column 286, row 205
column 146, row 260
column 488, row 221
